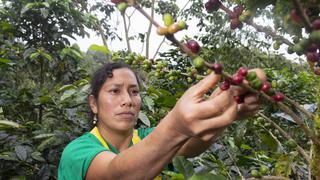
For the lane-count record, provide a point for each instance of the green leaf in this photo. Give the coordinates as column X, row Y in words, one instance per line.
column 9, row 124
column 144, row 119
column 173, row 175
column 45, row 4
column 27, row 7
column 34, row 55
column 21, row 152
column 37, row 156
column 41, row 136
column 149, row 102
column 183, row 166
column 44, row 13
column 5, row 61
column 282, row 166
column 67, row 94
column 102, row 49
column 76, row 54
column 207, row 176
column 245, row 147
column 46, row 55
column 45, row 99
column 46, row 143
column 66, row 87
column 7, row 157
column 269, row 141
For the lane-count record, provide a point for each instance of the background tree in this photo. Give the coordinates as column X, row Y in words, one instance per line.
column 44, row 81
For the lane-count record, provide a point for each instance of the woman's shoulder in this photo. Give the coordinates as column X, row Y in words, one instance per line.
column 77, row 156
column 86, row 141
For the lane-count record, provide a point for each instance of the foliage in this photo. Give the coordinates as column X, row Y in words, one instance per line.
column 45, row 81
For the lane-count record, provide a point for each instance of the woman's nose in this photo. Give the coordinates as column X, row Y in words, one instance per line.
column 126, row 99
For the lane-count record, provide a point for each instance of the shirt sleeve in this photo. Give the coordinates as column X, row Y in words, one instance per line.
column 77, row 156
column 143, row 132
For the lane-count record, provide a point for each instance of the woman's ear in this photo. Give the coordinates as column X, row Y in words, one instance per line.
column 93, row 104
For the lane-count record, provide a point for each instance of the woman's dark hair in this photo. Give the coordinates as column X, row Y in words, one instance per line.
column 105, row 72
column 100, row 77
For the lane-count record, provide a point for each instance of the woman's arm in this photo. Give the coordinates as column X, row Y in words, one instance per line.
column 143, row 161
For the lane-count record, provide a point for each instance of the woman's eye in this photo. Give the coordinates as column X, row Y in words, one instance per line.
column 135, row 92
column 114, row 91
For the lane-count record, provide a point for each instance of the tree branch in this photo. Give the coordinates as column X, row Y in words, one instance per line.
column 149, row 30
column 99, row 28
column 299, row 107
column 282, row 106
column 287, row 136
column 126, row 31
column 155, row 54
column 269, row 32
column 261, row 28
column 138, row 7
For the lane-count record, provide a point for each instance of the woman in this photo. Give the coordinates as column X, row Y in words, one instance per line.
column 107, row 152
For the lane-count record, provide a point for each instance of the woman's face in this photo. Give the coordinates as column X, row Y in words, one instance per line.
column 118, row 102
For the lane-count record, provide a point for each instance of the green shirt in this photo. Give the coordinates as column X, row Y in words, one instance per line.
column 78, row 154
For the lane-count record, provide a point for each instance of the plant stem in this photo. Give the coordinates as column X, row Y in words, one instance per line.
column 149, row 30
column 126, row 31
column 299, row 107
column 138, row 7
column 99, row 28
column 287, row 136
column 155, row 54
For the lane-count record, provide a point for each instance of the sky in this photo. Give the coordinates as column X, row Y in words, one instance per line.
column 139, row 24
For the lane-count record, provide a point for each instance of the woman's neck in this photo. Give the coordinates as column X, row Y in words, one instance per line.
column 118, row 139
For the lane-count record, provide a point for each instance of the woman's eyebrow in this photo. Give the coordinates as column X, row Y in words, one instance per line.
column 121, row 84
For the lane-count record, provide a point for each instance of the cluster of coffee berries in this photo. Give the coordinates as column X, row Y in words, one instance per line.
column 310, row 47
column 138, row 61
column 234, row 17
column 170, row 26
column 121, row 5
column 254, row 81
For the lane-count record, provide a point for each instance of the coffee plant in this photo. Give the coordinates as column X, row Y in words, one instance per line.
column 45, row 79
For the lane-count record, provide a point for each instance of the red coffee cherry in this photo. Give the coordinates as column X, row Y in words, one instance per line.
column 225, row 85
column 265, row 87
column 243, row 71
column 278, row 96
column 237, row 79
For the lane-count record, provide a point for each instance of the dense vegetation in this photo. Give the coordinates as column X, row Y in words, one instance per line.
column 45, row 82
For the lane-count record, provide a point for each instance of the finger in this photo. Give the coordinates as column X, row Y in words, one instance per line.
column 248, row 108
column 215, row 106
column 251, row 99
column 205, row 84
column 215, row 93
column 224, row 119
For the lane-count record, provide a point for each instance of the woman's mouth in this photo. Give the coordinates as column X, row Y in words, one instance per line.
column 126, row 114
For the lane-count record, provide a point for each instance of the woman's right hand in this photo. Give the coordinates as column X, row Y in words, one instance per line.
column 193, row 116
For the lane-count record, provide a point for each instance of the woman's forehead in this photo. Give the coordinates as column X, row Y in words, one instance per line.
column 122, row 76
